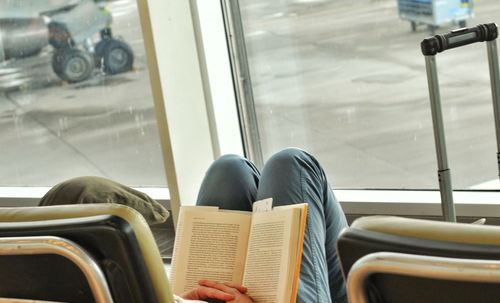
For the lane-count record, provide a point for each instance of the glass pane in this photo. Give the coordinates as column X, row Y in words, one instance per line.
column 75, row 97
column 346, row 80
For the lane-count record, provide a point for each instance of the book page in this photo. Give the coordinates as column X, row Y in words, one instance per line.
column 209, row 245
column 180, row 232
column 271, row 248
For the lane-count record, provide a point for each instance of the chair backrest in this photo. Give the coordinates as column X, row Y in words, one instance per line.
column 374, row 234
column 362, row 279
column 116, row 237
column 50, row 267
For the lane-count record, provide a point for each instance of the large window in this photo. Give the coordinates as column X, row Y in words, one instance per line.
column 75, row 95
column 346, row 80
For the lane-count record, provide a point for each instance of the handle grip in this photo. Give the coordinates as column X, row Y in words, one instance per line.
column 459, row 37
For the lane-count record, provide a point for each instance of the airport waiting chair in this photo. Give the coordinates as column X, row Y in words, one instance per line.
column 393, row 260
column 80, row 253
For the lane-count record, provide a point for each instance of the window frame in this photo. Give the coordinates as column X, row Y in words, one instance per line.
column 187, row 116
column 421, row 203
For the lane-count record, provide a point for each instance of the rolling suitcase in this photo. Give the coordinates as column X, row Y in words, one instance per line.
column 430, row 48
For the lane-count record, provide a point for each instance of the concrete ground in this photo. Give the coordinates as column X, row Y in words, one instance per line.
column 346, row 80
column 342, row 79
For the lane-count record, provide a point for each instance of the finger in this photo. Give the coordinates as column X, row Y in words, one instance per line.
column 239, row 287
column 204, row 292
column 216, row 285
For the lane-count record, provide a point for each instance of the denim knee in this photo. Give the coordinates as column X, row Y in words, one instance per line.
column 230, row 183
column 291, row 157
column 288, row 154
column 230, row 164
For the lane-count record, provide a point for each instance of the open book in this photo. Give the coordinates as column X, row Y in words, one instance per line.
column 260, row 250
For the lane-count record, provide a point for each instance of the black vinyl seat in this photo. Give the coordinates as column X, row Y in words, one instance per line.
column 452, row 249
column 115, row 238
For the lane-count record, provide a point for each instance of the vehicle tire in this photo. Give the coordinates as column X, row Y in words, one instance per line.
column 462, row 23
column 117, row 56
column 72, row 65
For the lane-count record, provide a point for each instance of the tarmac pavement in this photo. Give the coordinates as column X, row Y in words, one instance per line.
column 346, row 80
column 342, row 79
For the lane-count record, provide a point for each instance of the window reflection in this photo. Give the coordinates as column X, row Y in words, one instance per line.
column 75, row 97
column 346, row 80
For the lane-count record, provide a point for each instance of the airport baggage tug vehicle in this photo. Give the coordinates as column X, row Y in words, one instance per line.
column 435, row 13
column 27, row 26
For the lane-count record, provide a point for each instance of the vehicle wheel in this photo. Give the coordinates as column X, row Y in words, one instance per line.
column 117, row 56
column 462, row 23
column 72, row 64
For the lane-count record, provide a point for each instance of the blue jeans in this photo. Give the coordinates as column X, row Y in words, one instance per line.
column 290, row 176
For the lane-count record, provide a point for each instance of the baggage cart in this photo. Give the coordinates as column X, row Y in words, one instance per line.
column 435, row 13
column 430, row 48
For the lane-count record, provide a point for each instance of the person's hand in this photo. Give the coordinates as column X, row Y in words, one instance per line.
column 237, row 290
column 227, row 292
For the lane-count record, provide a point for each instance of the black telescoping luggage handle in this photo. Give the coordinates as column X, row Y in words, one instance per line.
column 439, row 43
column 459, row 37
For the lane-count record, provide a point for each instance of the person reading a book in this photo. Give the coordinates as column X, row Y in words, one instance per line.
column 288, row 177
column 291, row 176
